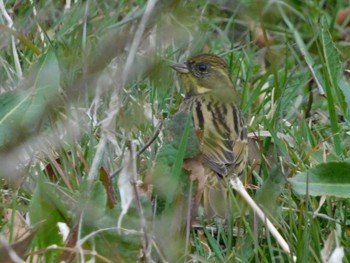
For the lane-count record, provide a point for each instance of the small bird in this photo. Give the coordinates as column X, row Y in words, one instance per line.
column 211, row 99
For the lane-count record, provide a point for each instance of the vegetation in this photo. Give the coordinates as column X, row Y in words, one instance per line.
column 86, row 106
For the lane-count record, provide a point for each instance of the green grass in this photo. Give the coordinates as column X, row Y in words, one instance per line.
column 72, row 117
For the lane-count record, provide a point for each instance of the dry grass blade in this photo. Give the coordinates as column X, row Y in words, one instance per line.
column 318, row 84
column 137, row 39
column 114, row 104
column 9, row 21
column 194, row 165
column 113, row 85
column 332, row 252
column 10, row 253
column 238, row 186
column 126, row 180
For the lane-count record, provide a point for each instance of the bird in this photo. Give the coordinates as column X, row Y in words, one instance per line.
column 213, row 104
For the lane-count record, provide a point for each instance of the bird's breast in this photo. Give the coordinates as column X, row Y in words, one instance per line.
column 214, row 118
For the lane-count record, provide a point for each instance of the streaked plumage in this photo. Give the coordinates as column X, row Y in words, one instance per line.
column 220, row 128
column 211, row 97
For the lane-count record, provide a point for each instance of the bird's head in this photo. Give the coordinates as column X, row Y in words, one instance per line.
column 204, row 73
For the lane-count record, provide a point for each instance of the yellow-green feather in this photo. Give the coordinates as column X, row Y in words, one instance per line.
column 217, row 119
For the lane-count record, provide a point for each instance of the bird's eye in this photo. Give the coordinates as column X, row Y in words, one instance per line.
column 202, row 67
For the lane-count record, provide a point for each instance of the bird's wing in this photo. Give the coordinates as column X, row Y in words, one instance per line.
column 223, row 136
column 225, row 161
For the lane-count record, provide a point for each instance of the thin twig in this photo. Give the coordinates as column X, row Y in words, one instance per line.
column 154, row 137
column 91, row 253
column 144, row 148
column 81, row 242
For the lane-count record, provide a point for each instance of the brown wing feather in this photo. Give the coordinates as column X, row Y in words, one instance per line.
column 223, row 135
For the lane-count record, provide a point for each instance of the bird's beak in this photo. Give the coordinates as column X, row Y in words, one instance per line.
column 181, row 68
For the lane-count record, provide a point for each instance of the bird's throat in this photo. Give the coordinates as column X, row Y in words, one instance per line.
column 201, row 90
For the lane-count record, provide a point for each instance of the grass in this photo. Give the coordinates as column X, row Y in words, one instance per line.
column 79, row 113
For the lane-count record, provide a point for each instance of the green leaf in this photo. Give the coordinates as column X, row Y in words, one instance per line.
column 330, row 52
column 345, row 88
column 180, row 155
column 332, row 75
column 214, row 244
column 22, row 110
column 303, row 49
column 47, row 209
column 331, row 178
column 44, row 90
column 13, row 106
column 183, row 144
column 270, row 191
column 97, row 204
column 179, row 124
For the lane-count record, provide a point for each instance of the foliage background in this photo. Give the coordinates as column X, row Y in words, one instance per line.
column 85, row 85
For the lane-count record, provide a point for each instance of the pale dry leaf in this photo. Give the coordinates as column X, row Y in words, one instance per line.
column 322, row 201
column 280, row 135
column 327, row 248
column 127, row 177
column 332, row 252
column 195, row 167
column 337, row 255
column 256, row 156
column 19, row 226
column 262, row 38
column 16, row 252
column 63, row 230
column 257, row 152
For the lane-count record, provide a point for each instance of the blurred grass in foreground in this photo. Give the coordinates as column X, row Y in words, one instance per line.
column 94, row 89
